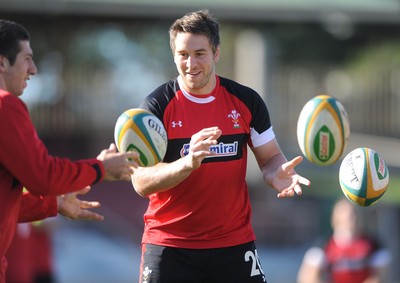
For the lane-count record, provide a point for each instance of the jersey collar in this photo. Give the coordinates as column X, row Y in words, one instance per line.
column 201, row 99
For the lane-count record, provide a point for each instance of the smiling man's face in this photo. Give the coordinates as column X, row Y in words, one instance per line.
column 195, row 62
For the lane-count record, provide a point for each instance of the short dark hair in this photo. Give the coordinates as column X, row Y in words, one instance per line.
column 11, row 33
column 199, row 22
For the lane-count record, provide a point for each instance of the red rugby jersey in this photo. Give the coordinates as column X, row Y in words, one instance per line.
column 350, row 263
column 210, row 208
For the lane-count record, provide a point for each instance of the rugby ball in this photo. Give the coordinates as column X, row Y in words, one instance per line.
column 323, row 130
column 363, row 176
column 140, row 130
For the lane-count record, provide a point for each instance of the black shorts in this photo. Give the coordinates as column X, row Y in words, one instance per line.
column 238, row 264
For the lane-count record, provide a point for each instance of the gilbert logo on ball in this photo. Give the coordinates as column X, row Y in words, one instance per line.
column 323, row 130
column 140, row 130
column 363, row 176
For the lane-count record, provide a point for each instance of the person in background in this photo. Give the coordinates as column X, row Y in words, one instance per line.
column 43, row 258
column 30, row 255
column 51, row 183
column 198, row 222
column 349, row 256
column 19, row 255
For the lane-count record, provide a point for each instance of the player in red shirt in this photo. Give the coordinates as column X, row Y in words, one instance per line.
column 198, row 222
column 349, row 256
column 24, row 160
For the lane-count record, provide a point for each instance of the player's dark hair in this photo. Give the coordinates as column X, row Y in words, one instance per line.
column 11, row 33
column 199, row 22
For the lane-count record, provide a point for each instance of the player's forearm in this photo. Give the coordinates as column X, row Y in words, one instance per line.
column 160, row 177
column 35, row 208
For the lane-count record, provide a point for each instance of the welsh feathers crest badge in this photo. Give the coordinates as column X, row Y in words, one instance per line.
column 234, row 115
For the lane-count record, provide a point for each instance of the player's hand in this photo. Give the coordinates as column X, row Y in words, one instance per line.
column 75, row 209
column 200, row 144
column 287, row 181
column 117, row 165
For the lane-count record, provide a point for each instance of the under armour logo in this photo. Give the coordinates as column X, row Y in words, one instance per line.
column 177, row 124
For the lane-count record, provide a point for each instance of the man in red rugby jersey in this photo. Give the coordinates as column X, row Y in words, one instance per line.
column 198, row 222
column 348, row 256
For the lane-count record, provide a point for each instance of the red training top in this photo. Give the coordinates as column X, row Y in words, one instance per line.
column 211, row 208
column 24, row 162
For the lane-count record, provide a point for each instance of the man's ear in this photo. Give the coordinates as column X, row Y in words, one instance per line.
column 217, row 54
column 4, row 63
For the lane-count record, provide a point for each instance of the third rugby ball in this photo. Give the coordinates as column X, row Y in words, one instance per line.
column 363, row 176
